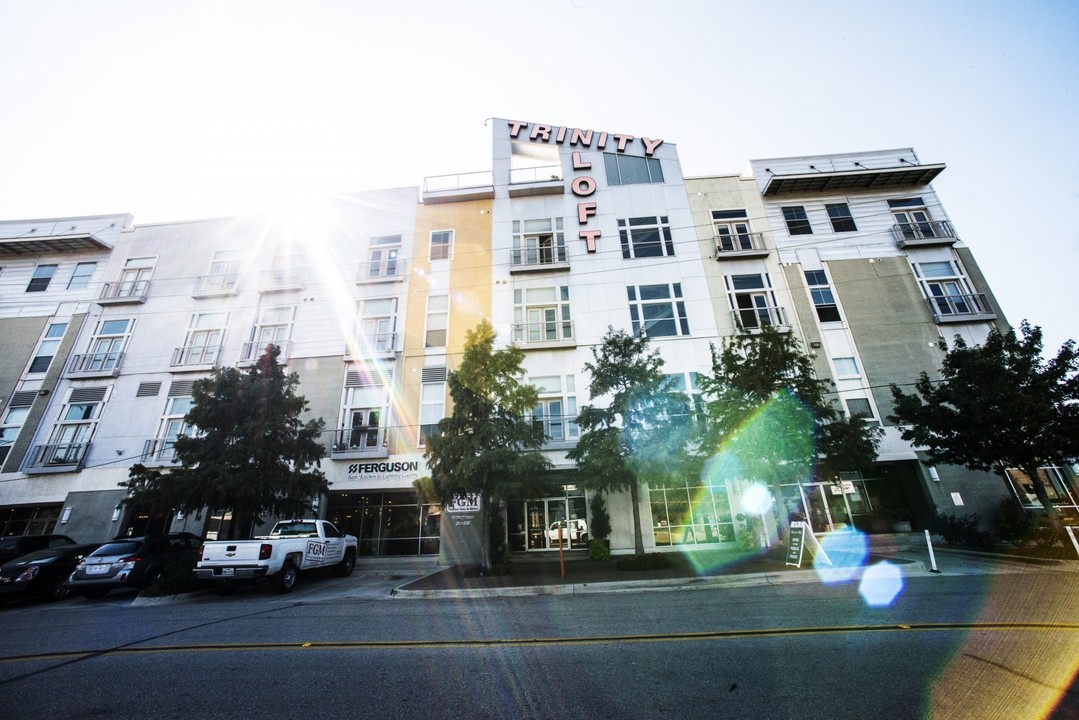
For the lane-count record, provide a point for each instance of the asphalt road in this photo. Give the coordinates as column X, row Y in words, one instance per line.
column 948, row 646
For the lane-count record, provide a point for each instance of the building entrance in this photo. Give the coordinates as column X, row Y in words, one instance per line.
column 826, row 506
column 535, row 524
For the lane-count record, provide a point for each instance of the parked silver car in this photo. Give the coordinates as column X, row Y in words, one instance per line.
column 131, row 562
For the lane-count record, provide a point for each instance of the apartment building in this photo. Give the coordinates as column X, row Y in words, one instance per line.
column 569, row 231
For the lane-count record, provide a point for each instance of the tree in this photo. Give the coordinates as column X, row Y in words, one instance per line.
column 641, row 433
column 771, row 418
column 488, row 444
column 997, row 405
column 248, row 454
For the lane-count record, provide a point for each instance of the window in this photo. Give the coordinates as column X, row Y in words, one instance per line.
column 541, row 315
column 732, row 230
column 841, row 218
column 273, row 326
column 364, row 408
column 657, row 310
column 441, row 244
column 363, row 428
column 81, row 277
column 912, row 218
column 47, row 348
column 686, row 384
column 556, row 411
column 383, row 258
column 692, row 511
column 753, row 301
column 846, row 367
column 438, row 315
column 106, row 347
column 204, row 339
column 821, row 293
column 1053, row 479
column 172, row 426
column 41, row 279
column 72, row 432
column 9, row 428
column 224, row 271
column 287, row 270
column 947, row 289
column 797, row 220
column 632, row 169
column 134, row 278
column 378, row 325
column 432, row 401
column 859, row 407
column 645, row 237
column 538, row 242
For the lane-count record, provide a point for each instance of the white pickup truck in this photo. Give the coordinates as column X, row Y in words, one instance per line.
column 291, row 547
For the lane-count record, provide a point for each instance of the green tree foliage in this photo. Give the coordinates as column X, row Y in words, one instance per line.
column 769, row 418
column 1000, row 403
column 488, row 443
column 639, row 436
column 249, row 453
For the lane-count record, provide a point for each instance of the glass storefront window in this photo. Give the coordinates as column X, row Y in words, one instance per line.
column 691, row 515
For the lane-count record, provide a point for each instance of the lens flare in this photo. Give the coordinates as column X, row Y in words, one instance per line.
column 847, row 552
column 881, row 584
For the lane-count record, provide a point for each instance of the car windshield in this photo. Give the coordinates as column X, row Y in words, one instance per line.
column 126, row 547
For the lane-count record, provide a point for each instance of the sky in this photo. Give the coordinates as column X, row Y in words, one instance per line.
column 183, row 110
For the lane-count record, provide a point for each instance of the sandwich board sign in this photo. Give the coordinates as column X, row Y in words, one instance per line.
column 800, row 534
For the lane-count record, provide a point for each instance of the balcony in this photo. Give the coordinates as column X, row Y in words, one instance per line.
column 159, row 451
column 105, row 364
column 216, row 285
column 282, row 281
column 898, row 177
column 740, row 245
column 359, row 442
column 367, row 346
column 539, row 259
column 544, row 335
column 382, row 271
column 250, row 352
column 125, row 292
column 458, row 188
column 924, row 234
column 757, row 317
column 56, row 458
column 195, row 357
column 560, row 430
column 545, row 180
column 960, row 308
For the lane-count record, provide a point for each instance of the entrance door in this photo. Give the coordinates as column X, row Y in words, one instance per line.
column 546, row 518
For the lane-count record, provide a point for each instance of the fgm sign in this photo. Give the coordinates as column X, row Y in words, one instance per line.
column 582, row 186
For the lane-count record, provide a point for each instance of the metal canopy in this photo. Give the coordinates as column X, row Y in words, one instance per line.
column 892, row 178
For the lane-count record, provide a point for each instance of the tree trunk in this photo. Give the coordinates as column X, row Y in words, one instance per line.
column 638, row 538
column 485, row 535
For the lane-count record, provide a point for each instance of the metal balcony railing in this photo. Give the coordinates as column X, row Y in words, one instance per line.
column 217, row 284
column 459, row 181
column 386, row 270
column 125, row 291
column 196, row 355
column 360, row 441
column 377, row 344
column 57, row 457
column 105, row 364
column 757, row 317
column 959, row 308
column 252, row 351
column 748, row 242
column 543, row 332
column 539, row 257
column 929, row 232
column 282, row 279
column 543, row 173
column 159, row 450
column 557, row 428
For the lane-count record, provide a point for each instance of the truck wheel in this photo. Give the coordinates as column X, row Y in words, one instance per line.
column 344, row 568
column 285, row 580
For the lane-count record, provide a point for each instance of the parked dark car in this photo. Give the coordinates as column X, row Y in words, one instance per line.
column 131, row 562
column 42, row 573
column 13, row 546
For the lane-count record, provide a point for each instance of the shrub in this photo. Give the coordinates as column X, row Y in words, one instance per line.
column 960, row 530
column 749, row 537
column 601, row 520
column 598, row 550
column 651, row 561
column 1013, row 523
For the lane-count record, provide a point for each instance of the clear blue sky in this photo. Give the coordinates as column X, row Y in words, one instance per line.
column 178, row 110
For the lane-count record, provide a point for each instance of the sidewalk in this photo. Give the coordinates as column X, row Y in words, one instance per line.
column 705, row 568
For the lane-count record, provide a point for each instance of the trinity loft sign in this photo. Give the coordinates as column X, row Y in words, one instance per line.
column 582, row 186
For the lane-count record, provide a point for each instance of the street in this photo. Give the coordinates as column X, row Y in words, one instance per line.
column 949, row 646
